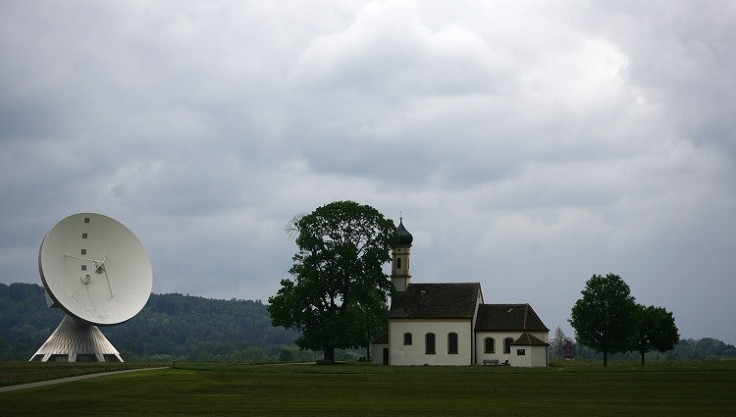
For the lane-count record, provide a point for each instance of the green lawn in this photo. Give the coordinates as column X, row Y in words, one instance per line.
column 570, row 388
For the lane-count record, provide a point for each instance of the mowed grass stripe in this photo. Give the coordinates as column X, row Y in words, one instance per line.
column 364, row 390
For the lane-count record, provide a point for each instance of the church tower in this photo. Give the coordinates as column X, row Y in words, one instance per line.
column 400, row 266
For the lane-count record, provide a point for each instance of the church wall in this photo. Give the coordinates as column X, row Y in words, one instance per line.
column 521, row 360
column 499, row 338
column 377, row 353
column 540, row 357
column 400, row 283
column 414, row 354
column 498, row 353
column 534, row 356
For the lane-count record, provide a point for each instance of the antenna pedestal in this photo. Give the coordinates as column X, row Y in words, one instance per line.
column 77, row 341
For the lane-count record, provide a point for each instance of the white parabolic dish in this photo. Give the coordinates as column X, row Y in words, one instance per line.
column 95, row 269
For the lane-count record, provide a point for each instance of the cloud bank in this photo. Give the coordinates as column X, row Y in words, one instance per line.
column 527, row 145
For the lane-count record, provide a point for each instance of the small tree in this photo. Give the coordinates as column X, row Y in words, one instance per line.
column 655, row 330
column 371, row 315
column 338, row 277
column 602, row 317
column 558, row 341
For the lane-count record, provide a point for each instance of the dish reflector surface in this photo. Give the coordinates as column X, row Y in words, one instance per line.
column 95, row 269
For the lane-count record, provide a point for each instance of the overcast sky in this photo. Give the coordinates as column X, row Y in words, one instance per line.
column 528, row 145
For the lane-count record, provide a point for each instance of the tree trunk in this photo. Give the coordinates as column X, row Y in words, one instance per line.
column 605, row 358
column 368, row 344
column 329, row 353
column 642, row 357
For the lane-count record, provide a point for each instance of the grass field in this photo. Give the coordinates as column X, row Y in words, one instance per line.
column 566, row 388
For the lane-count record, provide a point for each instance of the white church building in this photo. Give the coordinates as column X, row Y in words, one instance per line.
column 449, row 324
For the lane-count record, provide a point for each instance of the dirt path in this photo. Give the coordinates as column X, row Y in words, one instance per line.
column 69, row 379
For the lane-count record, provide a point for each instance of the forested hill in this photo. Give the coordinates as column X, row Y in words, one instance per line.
column 181, row 327
column 170, row 327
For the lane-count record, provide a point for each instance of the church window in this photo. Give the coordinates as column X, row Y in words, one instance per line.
column 452, row 343
column 407, row 338
column 429, row 343
column 507, row 344
column 521, row 352
column 398, row 263
column 490, row 345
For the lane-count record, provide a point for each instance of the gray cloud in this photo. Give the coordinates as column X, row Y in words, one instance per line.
column 527, row 145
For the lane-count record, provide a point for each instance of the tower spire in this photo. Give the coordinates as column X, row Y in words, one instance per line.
column 400, row 270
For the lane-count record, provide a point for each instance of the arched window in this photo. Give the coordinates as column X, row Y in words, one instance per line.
column 398, row 264
column 452, row 343
column 429, row 343
column 490, row 345
column 507, row 344
column 407, row 338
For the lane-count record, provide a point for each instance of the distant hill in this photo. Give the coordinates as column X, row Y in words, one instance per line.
column 170, row 327
column 183, row 327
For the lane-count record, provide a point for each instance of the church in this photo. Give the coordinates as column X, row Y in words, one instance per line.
column 449, row 324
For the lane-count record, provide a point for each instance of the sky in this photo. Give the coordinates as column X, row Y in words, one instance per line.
column 527, row 144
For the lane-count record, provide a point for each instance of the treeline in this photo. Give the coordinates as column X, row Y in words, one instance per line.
column 686, row 349
column 176, row 327
column 170, row 327
column 706, row 348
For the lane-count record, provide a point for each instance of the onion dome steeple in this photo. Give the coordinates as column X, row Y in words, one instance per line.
column 405, row 238
column 400, row 275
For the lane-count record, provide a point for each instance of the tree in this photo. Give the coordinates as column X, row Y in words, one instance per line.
column 338, row 276
column 557, row 343
column 372, row 315
column 602, row 317
column 655, row 330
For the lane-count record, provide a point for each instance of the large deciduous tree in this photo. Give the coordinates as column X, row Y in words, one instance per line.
column 339, row 284
column 603, row 317
column 655, row 330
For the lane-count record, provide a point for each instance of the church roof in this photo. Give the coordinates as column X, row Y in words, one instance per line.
column 405, row 238
column 514, row 317
column 436, row 301
column 527, row 339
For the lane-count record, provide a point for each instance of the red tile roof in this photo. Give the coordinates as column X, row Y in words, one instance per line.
column 436, row 301
column 527, row 339
column 508, row 317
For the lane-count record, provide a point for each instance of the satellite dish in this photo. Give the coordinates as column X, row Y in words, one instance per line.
column 98, row 272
